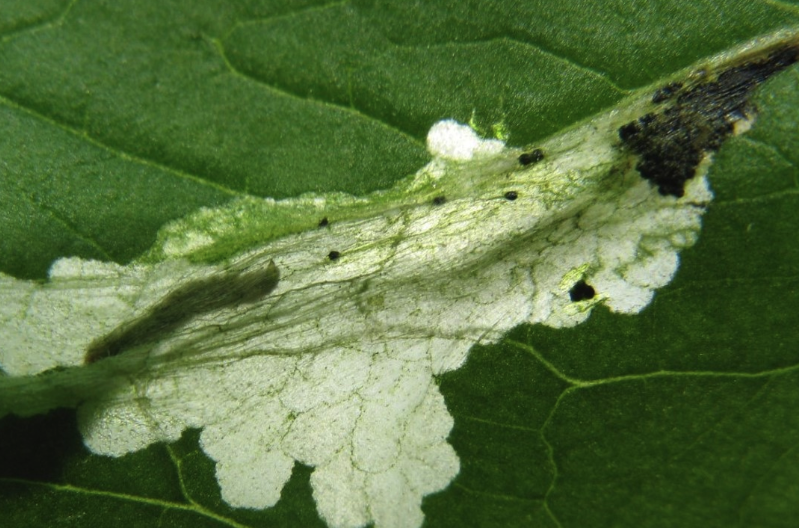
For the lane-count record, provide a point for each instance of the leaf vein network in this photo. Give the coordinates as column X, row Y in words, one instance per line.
column 573, row 63
column 219, row 45
column 577, row 383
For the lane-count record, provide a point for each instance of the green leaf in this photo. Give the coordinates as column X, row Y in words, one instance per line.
column 118, row 117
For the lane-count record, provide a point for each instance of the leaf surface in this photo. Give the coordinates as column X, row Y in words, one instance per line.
column 118, row 117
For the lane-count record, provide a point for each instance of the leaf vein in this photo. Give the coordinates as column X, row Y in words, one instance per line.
column 219, row 45
column 126, row 497
column 776, row 465
column 499, row 496
column 567, row 61
column 770, row 147
column 497, row 424
column 115, row 151
column 46, row 23
column 779, row 4
column 288, row 14
column 579, row 383
column 68, row 226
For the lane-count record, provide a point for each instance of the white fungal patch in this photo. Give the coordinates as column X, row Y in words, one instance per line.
column 334, row 367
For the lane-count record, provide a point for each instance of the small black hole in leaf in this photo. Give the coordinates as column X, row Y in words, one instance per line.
column 511, row 195
column 324, row 222
column 439, row 200
column 334, row 255
column 581, row 291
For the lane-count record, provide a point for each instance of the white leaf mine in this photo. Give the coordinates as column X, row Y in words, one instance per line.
column 333, row 365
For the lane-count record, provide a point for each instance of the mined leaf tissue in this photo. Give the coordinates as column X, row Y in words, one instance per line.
column 321, row 346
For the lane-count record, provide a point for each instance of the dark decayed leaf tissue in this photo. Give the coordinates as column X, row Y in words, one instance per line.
column 696, row 118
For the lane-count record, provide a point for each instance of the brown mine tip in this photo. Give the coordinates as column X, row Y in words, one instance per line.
column 695, row 119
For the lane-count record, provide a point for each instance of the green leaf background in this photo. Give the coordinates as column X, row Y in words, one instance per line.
column 117, row 116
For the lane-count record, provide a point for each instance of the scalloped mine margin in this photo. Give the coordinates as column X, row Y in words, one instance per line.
column 331, row 361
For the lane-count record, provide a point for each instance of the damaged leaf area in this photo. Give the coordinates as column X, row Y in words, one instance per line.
column 696, row 116
column 324, row 346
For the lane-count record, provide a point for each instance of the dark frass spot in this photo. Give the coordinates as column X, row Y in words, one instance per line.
column 324, row 222
column 531, row 157
column 667, row 92
column 581, row 291
column 511, row 195
column 334, row 255
column 439, row 200
column 222, row 290
column 670, row 143
column 627, row 131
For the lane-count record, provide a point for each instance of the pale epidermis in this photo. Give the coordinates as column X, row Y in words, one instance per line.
column 335, row 367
